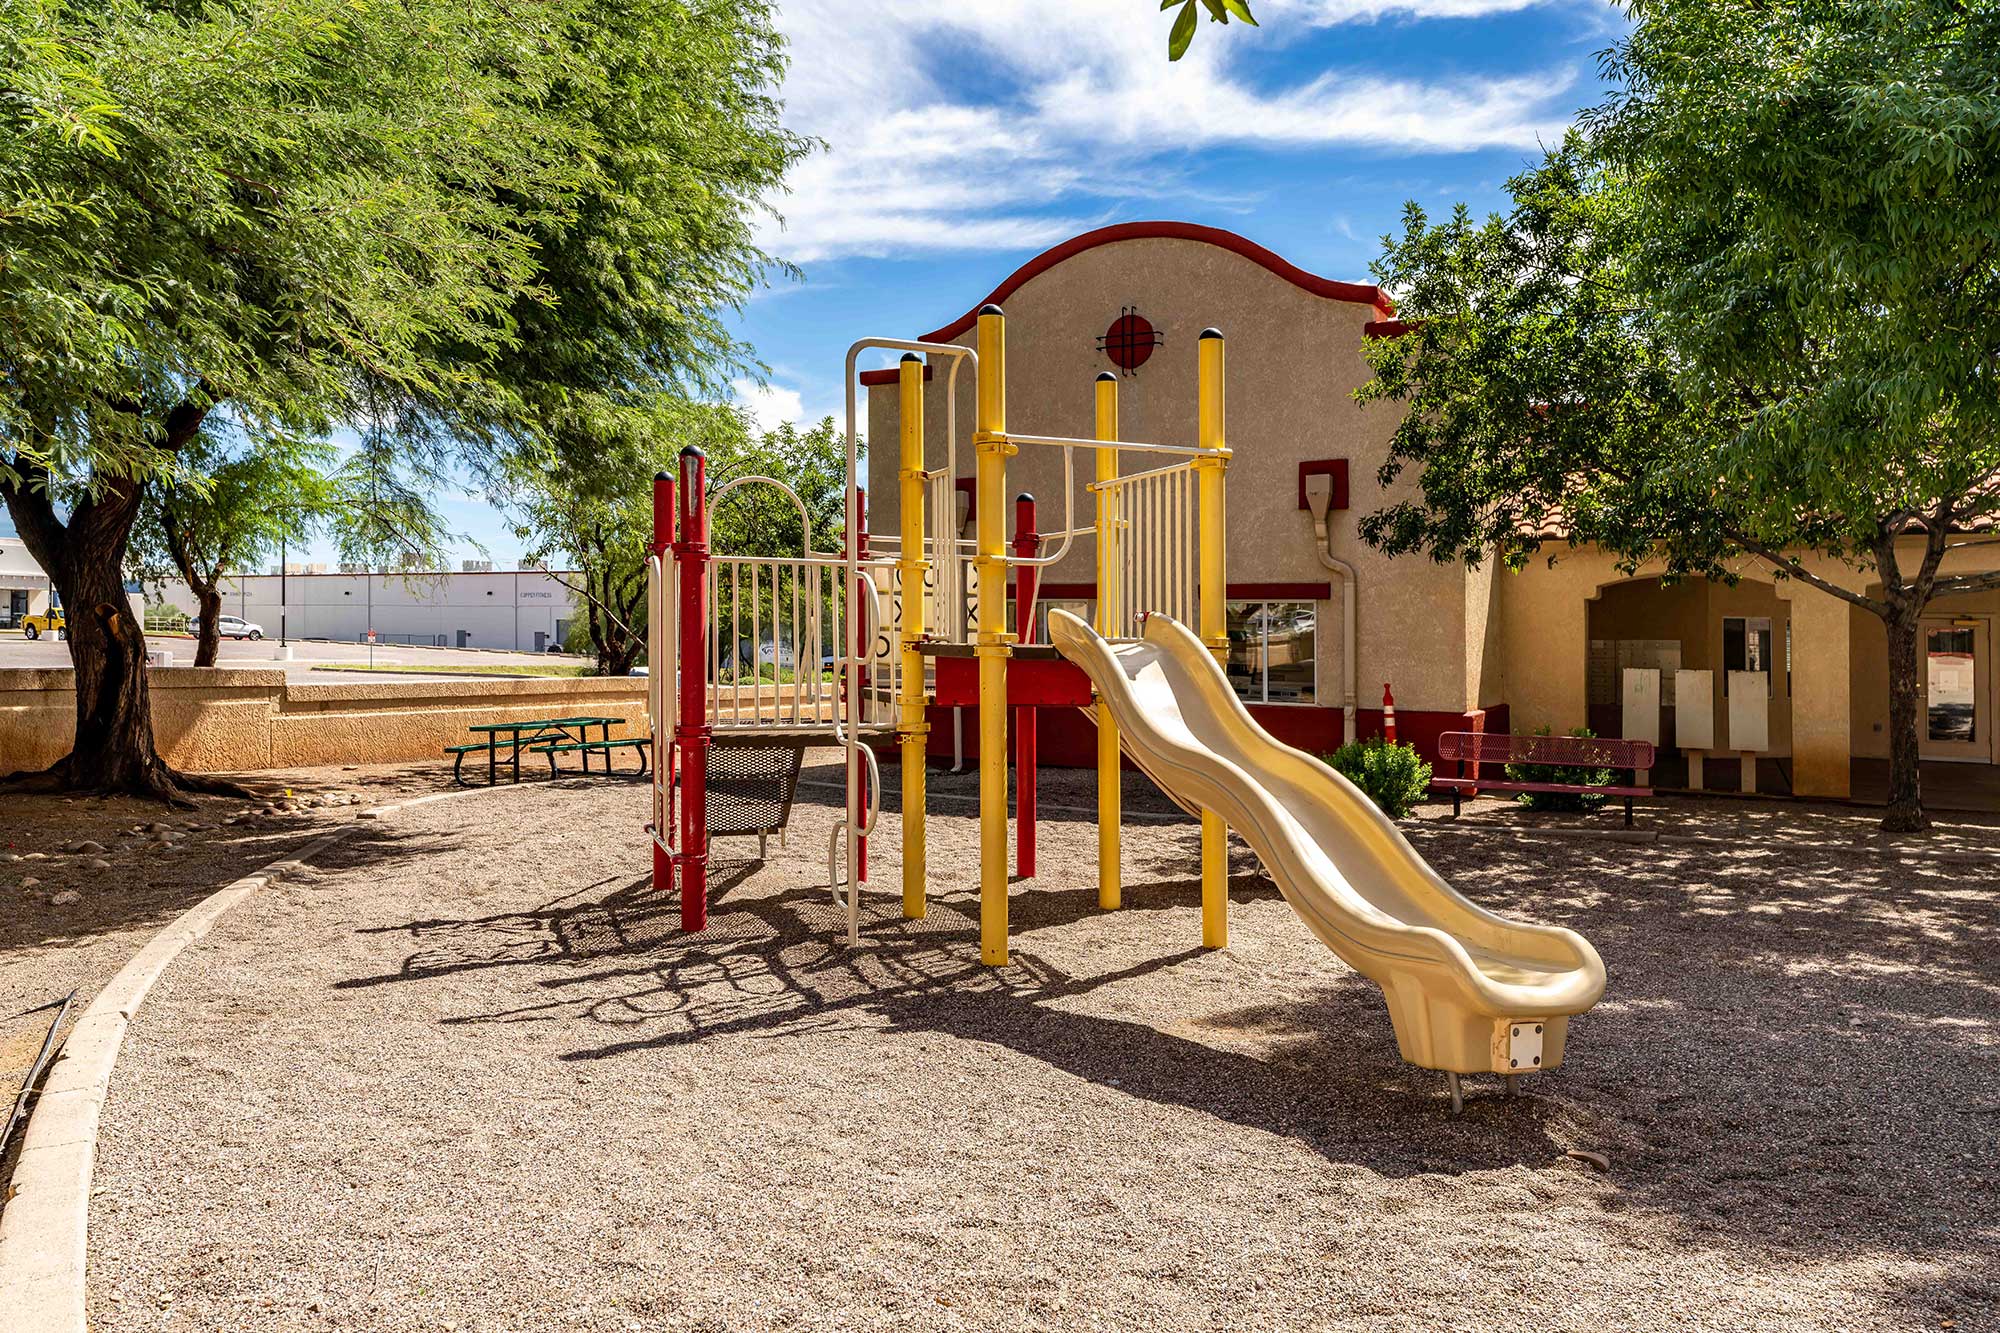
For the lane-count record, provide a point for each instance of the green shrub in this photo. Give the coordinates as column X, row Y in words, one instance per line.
column 1554, row 800
column 1394, row 776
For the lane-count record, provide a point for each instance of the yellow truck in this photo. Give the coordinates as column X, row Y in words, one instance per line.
column 48, row 622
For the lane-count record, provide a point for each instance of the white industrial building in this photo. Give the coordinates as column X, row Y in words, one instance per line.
column 24, row 588
column 527, row 610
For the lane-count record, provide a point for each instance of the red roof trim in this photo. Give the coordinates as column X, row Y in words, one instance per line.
column 1385, row 328
column 1360, row 293
column 892, row 375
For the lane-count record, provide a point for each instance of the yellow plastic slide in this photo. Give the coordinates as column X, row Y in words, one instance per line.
column 1468, row 991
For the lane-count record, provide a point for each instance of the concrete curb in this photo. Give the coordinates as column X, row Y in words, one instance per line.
column 44, row 1230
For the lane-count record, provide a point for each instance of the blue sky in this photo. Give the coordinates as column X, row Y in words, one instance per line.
column 963, row 138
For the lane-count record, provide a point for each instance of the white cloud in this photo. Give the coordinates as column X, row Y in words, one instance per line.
column 769, row 405
column 1007, row 123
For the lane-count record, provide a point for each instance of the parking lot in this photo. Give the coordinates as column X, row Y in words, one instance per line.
column 309, row 658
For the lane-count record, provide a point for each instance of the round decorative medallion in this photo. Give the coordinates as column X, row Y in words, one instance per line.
column 1130, row 340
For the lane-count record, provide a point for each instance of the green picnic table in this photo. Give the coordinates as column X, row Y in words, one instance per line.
column 543, row 734
column 584, row 747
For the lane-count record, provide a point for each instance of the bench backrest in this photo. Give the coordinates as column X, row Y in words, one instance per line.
column 1474, row 747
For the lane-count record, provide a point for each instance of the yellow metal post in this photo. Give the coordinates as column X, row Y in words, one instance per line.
column 911, row 566
column 1214, row 623
column 1109, row 802
column 989, row 442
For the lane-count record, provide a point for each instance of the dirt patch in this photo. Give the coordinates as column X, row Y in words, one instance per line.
column 468, row 1074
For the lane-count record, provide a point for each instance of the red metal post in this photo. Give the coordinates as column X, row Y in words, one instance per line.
column 663, row 757
column 1475, row 722
column 1027, row 542
column 1388, row 714
column 864, row 588
column 691, row 735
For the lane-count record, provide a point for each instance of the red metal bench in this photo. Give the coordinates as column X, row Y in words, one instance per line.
column 1471, row 748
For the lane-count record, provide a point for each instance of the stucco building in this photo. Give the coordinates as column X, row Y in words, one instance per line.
column 1509, row 651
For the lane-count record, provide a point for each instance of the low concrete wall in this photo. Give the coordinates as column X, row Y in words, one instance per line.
column 226, row 719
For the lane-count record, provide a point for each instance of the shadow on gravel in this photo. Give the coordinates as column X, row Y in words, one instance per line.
column 776, row 964
column 1799, row 1054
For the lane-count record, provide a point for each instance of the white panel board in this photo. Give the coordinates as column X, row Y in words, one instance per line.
column 1749, row 710
column 1694, row 710
column 1641, row 694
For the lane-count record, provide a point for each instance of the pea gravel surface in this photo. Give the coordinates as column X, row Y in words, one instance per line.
column 467, row 1074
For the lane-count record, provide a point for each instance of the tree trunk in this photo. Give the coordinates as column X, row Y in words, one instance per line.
column 113, row 748
column 210, row 639
column 1906, row 799
column 603, row 641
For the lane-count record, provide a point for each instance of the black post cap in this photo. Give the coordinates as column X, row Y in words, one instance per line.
column 911, row 356
column 990, row 309
column 1104, row 375
column 1024, row 496
column 1208, row 333
column 663, row 476
column 692, row 451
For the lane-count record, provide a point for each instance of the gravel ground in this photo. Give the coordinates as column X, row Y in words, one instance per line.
column 86, row 881
column 467, row 1075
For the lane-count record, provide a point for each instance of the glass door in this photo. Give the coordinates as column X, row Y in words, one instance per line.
column 1952, row 673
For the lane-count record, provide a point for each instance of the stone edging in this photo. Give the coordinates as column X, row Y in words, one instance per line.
column 44, row 1230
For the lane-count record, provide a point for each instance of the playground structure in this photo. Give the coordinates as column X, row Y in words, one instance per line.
column 920, row 617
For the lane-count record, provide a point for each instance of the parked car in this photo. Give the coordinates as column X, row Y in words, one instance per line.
column 49, row 622
column 229, row 627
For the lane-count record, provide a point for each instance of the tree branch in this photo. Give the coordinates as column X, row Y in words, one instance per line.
column 1958, row 584
column 592, row 598
column 1794, row 569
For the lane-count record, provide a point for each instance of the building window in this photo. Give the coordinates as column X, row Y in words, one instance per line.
column 1082, row 608
column 1746, row 646
column 1272, row 652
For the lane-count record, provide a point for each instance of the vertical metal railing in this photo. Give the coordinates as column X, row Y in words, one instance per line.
column 1151, row 532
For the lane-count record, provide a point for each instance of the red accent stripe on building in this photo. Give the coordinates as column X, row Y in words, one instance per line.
column 1238, row 592
column 1069, row 740
column 1384, row 328
column 871, row 378
column 1360, row 293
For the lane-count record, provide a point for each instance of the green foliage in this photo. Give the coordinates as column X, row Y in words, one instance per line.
column 675, row 96
column 1743, row 313
column 481, row 232
column 242, row 504
column 161, row 618
column 1580, row 777
column 258, row 205
column 1181, row 35
column 594, row 512
column 1394, row 776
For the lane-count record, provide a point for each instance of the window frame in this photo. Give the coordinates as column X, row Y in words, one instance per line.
column 1235, row 605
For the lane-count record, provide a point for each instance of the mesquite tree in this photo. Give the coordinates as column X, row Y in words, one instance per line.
column 240, row 211
column 465, row 226
column 1747, row 312
column 595, row 513
column 245, row 504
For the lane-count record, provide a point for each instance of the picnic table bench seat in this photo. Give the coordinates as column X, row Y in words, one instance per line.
column 587, row 748
column 1474, row 748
